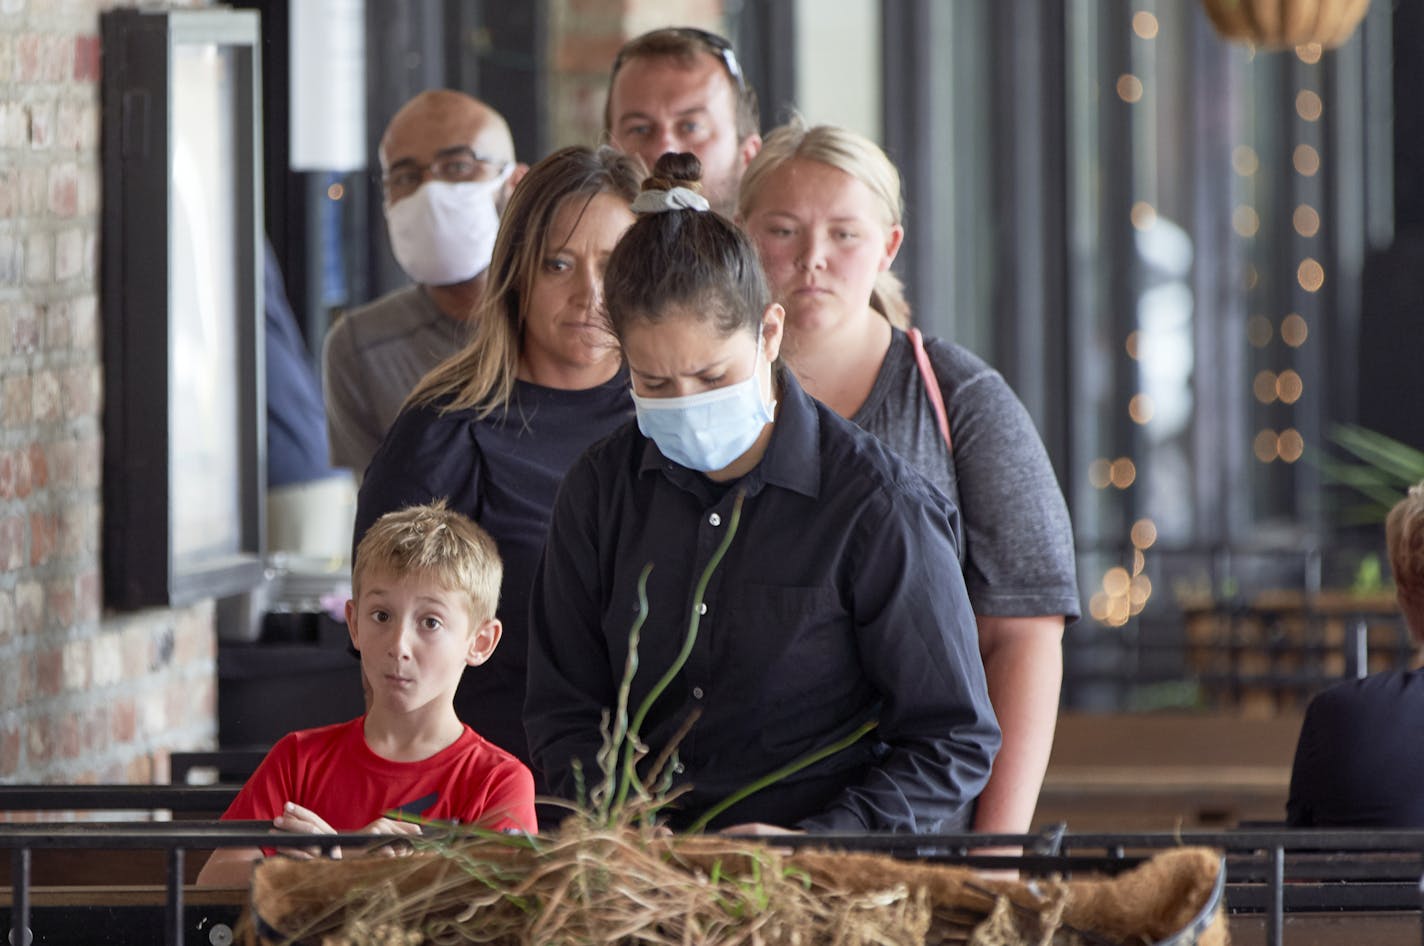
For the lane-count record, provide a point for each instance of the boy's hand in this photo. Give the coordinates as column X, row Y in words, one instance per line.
column 391, row 826
column 295, row 819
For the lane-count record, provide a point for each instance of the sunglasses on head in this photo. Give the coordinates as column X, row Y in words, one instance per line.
column 711, row 42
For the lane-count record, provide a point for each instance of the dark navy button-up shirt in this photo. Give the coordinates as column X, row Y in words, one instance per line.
column 839, row 602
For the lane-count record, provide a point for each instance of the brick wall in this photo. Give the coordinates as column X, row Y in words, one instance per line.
column 84, row 696
column 584, row 35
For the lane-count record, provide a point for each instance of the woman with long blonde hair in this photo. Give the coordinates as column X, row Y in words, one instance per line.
column 823, row 205
column 493, row 429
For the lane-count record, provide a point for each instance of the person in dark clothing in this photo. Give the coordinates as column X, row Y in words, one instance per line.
column 1359, row 762
column 835, row 605
column 493, row 428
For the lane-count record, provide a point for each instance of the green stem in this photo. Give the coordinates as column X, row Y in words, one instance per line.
column 635, row 730
column 630, row 669
column 790, row 768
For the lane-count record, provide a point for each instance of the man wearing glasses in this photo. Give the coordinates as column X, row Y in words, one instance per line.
column 682, row 89
column 447, row 166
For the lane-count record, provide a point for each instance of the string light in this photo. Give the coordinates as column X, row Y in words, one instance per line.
column 1294, row 331
column 1310, row 274
column 1144, row 24
column 1306, row 160
column 1308, row 105
column 1306, row 220
column 1259, row 331
column 1129, row 88
column 1244, row 160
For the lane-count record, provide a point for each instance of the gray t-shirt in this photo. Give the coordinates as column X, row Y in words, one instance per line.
column 373, row 358
column 1017, row 541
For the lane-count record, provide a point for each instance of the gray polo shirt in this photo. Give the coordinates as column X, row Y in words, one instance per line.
column 372, row 360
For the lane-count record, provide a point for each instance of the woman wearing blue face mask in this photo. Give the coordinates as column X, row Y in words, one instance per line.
column 832, row 608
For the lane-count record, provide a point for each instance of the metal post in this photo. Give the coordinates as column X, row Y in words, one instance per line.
column 175, row 897
column 20, row 897
column 1275, row 920
column 1357, row 650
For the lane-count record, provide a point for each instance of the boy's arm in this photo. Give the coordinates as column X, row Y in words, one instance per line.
column 229, row 867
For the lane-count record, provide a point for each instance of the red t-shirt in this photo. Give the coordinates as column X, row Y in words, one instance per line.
column 332, row 771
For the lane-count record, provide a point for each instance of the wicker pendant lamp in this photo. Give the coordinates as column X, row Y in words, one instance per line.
column 1281, row 24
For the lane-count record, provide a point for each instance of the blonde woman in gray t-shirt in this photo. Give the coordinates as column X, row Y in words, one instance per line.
column 824, row 207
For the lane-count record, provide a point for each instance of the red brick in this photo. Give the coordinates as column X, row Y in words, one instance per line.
column 29, row 57
column 69, row 258
column 56, row 326
column 44, row 394
column 22, row 473
column 69, row 125
column 15, row 403
column 61, row 610
column 133, row 652
column 88, row 461
column 39, row 259
column 7, row 476
column 39, row 467
column 41, row 125
column 83, row 323
column 24, row 329
column 59, row 459
column 86, row 58
column 68, row 735
column 71, row 534
column 12, row 543
column 29, row 608
column 74, row 659
column 64, row 189
column 123, row 719
column 10, row 750
column 34, row 190
column 87, row 601
column 80, row 391
column 49, row 672
column 7, row 627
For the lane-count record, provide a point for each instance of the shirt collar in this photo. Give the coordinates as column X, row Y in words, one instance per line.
column 793, row 455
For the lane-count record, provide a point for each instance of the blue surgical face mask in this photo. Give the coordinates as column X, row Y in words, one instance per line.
column 706, row 431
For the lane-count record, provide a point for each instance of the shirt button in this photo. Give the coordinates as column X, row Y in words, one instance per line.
column 702, row 608
column 697, row 693
column 715, row 519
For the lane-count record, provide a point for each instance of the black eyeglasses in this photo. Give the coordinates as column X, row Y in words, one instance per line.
column 711, row 43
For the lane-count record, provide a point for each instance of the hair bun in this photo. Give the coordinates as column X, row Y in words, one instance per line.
column 675, row 170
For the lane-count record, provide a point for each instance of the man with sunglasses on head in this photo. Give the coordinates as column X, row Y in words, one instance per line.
column 447, row 169
column 682, row 89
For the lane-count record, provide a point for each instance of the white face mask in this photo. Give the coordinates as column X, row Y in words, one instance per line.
column 444, row 232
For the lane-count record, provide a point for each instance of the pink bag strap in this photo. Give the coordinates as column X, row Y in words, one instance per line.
column 922, row 358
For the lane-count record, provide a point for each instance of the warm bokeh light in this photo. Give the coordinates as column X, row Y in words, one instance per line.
column 1100, row 474
column 1143, row 215
column 1129, row 88
column 1289, row 386
column 1308, row 105
column 1252, row 278
column 1144, row 24
column 1245, row 221
column 1265, row 446
column 1098, row 606
column 1139, row 561
column 1259, row 331
column 1244, row 160
column 1140, row 408
column 1122, row 473
column 1139, row 590
column 1144, row 533
column 1306, row 220
column 1306, row 160
column 1310, row 275
column 1132, row 341
column 1264, row 386
column 1116, row 581
column 1294, row 330
column 336, row 191
column 1291, row 445
column 1309, row 53
column 1119, row 611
